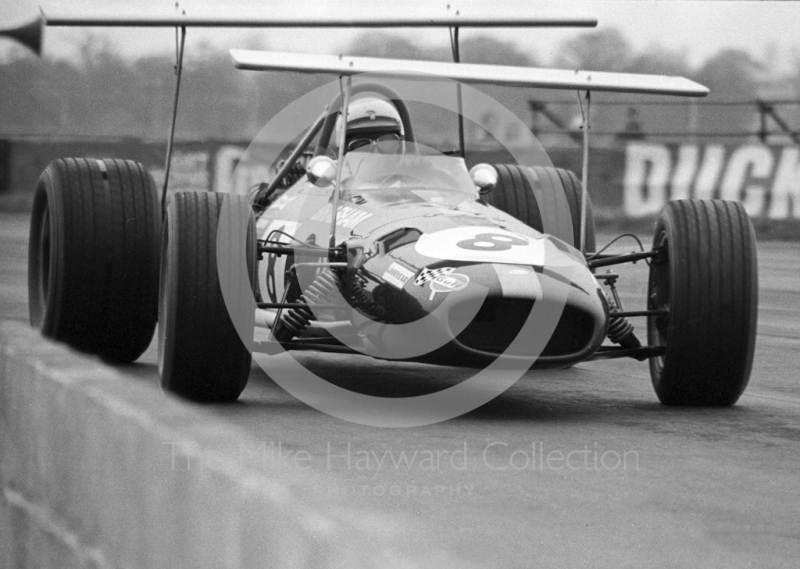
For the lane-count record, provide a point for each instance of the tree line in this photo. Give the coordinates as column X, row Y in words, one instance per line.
column 105, row 94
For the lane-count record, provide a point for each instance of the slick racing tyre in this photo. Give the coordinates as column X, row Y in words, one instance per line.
column 706, row 276
column 93, row 256
column 515, row 195
column 206, row 308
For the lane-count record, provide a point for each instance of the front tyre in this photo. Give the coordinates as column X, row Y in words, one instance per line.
column 706, row 276
column 206, row 306
column 93, row 256
column 516, row 194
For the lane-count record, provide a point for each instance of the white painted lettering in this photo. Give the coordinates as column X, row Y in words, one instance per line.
column 646, row 175
column 786, row 186
column 685, row 170
column 707, row 178
column 747, row 165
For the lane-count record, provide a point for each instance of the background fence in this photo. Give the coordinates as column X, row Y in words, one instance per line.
column 630, row 179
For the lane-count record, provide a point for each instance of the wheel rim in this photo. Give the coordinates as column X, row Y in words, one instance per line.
column 163, row 293
column 39, row 264
column 44, row 257
column 658, row 298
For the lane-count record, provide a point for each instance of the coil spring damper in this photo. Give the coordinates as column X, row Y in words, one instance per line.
column 620, row 330
column 294, row 321
column 362, row 299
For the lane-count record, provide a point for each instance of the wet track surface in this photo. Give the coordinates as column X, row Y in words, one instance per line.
column 573, row 468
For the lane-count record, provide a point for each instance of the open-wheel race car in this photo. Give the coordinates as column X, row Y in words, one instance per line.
column 368, row 241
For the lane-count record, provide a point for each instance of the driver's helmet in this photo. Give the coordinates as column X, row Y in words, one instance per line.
column 369, row 119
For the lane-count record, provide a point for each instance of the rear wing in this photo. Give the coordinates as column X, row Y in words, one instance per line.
column 470, row 73
column 322, row 15
column 303, row 16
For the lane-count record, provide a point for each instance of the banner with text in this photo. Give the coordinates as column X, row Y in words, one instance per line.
column 631, row 181
column 766, row 179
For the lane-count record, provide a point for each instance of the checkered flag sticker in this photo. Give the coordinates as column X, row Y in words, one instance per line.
column 428, row 274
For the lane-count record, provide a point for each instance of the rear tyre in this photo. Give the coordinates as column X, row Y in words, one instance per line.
column 93, row 256
column 516, row 194
column 206, row 307
column 706, row 275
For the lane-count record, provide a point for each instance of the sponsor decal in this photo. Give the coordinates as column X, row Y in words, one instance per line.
column 766, row 179
column 346, row 216
column 448, row 283
column 397, row 275
column 429, row 274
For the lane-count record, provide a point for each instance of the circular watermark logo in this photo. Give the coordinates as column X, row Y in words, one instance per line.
column 455, row 294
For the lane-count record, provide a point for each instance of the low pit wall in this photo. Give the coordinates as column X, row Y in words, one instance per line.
column 89, row 479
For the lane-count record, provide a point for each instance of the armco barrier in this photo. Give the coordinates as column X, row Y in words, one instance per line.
column 88, row 481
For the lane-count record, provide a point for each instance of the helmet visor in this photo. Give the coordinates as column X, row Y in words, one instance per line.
column 386, row 143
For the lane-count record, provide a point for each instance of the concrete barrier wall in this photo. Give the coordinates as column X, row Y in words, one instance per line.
column 103, row 470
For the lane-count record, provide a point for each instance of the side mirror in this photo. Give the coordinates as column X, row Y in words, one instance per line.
column 484, row 176
column 321, row 171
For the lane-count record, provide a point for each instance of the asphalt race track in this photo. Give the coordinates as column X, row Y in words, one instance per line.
column 574, row 468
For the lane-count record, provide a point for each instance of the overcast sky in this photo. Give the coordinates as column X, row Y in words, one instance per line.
column 767, row 29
